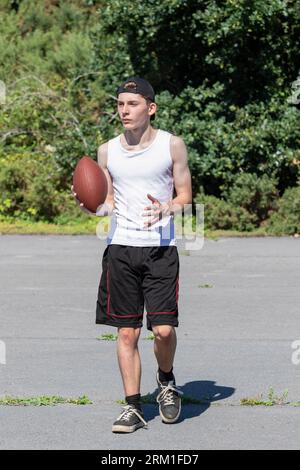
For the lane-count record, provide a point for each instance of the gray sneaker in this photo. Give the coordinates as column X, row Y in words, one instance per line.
column 129, row 420
column 169, row 400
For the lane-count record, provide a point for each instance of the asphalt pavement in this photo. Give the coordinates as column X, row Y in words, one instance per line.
column 239, row 301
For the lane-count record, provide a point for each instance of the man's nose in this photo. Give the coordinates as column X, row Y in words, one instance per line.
column 125, row 109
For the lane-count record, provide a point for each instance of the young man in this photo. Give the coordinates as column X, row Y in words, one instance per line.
column 140, row 264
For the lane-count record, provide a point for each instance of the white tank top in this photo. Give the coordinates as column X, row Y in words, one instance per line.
column 134, row 174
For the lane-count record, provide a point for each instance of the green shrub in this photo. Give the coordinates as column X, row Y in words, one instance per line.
column 287, row 219
column 222, row 215
column 257, row 195
column 29, row 188
column 223, row 75
column 244, row 206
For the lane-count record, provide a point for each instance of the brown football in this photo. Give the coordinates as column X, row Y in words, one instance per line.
column 90, row 183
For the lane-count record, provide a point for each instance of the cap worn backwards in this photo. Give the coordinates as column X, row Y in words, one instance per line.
column 137, row 85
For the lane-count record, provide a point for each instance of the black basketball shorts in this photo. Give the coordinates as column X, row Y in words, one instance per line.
column 134, row 278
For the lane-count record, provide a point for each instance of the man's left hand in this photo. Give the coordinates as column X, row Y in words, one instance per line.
column 156, row 211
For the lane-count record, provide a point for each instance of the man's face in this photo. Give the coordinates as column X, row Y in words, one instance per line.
column 133, row 110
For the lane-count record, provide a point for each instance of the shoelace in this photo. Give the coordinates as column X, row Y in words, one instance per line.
column 127, row 413
column 167, row 395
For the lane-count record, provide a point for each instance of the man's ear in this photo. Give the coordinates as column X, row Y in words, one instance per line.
column 151, row 107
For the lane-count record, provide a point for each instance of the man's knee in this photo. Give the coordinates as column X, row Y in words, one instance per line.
column 163, row 331
column 128, row 335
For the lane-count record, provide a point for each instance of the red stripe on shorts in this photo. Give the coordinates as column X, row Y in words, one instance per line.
column 108, row 293
column 164, row 313
column 177, row 289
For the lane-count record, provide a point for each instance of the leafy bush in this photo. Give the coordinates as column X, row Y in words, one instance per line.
column 28, row 188
column 258, row 196
column 221, row 215
column 243, row 207
column 287, row 219
column 223, row 76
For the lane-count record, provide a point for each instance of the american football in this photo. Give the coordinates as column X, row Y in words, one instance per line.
column 90, row 183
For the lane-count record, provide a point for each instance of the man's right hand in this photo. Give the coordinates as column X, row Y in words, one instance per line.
column 80, row 204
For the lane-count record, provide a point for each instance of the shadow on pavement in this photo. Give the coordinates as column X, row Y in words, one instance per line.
column 205, row 391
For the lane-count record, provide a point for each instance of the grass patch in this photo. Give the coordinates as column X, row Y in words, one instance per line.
column 215, row 234
column 113, row 337
column 44, row 400
column 205, row 285
column 270, row 401
column 150, row 399
column 88, row 227
column 150, row 337
column 184, row 253
column 187, row 400
column 108, row 337
column 23, row 227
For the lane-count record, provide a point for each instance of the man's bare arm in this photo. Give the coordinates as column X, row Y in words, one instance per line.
column 107, row 207
column 182, row 183
column 181, row 175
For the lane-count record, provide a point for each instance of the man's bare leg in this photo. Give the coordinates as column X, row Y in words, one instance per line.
column 165, row 346
column 129, row 359
column 169, row 395
column 131, row 417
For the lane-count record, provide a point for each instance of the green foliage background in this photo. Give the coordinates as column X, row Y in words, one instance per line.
column 223, row 71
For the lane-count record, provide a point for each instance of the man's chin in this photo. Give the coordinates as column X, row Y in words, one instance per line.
column 129, row 125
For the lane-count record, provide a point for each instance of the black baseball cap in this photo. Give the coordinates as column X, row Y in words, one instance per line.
column 139, row 86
